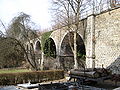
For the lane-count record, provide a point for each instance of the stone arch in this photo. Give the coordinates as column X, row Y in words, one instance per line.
column 66, row 53
column 63, row 36
column 37, row 46
column 50, row 48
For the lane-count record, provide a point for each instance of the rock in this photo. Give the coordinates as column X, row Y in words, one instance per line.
column 115, row 66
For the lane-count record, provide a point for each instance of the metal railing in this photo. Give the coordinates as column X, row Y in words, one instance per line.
column 98, row 8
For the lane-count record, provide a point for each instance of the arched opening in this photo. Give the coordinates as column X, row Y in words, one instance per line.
column 50, row 48
column 31, row 47
column 67, row 57
column 27, row 48
column 38, row 46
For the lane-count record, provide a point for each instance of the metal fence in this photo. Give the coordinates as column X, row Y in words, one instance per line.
column 98, row 7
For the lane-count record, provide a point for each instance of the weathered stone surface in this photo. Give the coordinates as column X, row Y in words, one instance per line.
column 107, row 37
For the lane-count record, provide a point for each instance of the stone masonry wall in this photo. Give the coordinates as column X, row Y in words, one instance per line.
column 107, row 37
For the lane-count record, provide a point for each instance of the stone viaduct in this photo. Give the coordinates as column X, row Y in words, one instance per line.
column 98, row 36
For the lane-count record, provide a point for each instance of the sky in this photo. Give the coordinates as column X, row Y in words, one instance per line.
column 37, row 9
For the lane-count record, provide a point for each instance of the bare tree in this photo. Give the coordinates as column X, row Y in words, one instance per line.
column 68, row 14
column 21, row 32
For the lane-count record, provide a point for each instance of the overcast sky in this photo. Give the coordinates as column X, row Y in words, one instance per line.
column 37, row 9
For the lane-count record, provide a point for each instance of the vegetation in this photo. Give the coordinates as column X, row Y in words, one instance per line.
column 13, row 70
column 11, row 55
column 21, row 32
column 50, row 48
column 48, row 45
column 33, row 77
column 45, row 36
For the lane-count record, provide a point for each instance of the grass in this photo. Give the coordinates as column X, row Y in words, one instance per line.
column 13, row 70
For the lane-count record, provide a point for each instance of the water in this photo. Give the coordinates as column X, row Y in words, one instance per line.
column 9, row 88
column 71, row 86
column 80, row 88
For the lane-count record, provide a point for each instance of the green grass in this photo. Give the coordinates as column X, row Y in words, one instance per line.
column 13, row 70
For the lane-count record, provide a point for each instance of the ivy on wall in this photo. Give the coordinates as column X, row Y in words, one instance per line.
column 48, row 46
column 45, row 36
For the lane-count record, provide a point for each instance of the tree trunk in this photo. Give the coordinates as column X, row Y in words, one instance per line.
column 75, row 51
column 91, row 74
column 77, row 16
column 42, row 61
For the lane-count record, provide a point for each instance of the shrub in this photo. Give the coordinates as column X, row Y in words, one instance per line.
column 33, row 77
